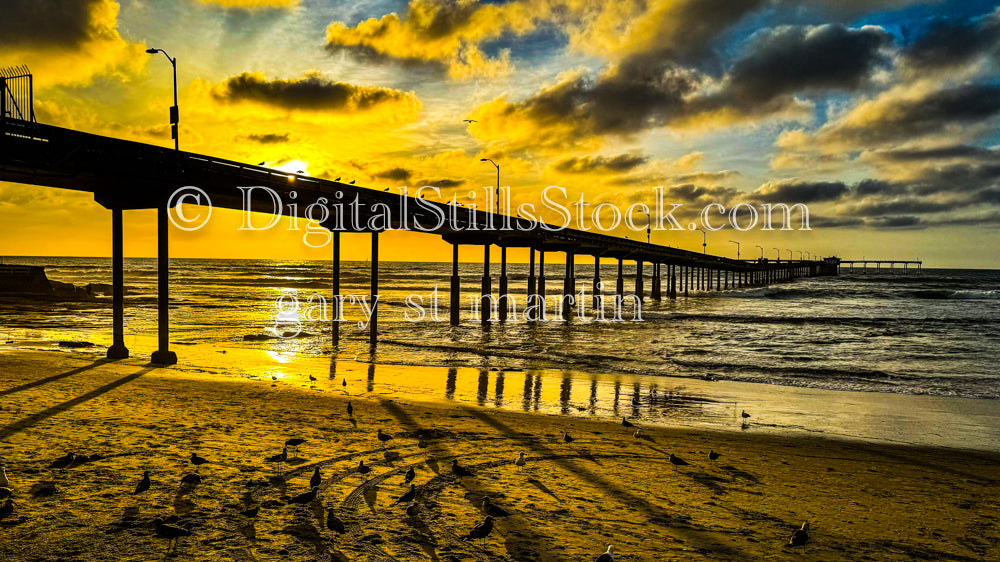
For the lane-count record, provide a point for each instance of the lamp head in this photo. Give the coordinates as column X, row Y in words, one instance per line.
column 152, row 51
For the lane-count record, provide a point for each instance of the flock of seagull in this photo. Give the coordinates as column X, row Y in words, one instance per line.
column 173, row 533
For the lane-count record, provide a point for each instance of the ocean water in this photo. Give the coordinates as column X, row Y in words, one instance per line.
column 935, row 334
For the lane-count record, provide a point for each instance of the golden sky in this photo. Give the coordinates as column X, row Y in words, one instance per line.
column 881, row 116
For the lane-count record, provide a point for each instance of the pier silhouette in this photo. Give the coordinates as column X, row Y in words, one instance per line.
column 126, row 175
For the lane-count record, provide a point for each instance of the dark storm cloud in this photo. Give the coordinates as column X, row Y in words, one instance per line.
column 395, row 174
column 875, row 187
column 823, row 221
column 585, row 164
column 632, row 97
column 312, row 92
column 965, row 104
column 444, row 184
column 691, row 193
column 956, row 151
column 41, row 23
column 789, row 59
column 909, row 206
column 951, row 42
column 791, row 192
column 268, row 138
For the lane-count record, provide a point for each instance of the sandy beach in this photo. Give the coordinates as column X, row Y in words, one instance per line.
column 863, row 501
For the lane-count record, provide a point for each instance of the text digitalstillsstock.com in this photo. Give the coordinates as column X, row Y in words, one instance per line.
column 339, row 214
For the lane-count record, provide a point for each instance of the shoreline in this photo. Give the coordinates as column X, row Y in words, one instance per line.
column 959, row 423
column 861, row 499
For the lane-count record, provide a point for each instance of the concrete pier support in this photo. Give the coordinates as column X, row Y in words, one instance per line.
column 117, row 349
column 597, row 282
column 504, row 298
column 163, row 355
column 569, row 285
column 655, row 282
column 531, row 272
column 487, row 288
column 335, row 290
column 686, row 277
column 638, row 280
column 718, row 277
column 541, row 274
column 620, row 283
column 673, row 281
column 373, row 322
column 455, row 309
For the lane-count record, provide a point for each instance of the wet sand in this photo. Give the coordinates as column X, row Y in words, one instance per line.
column 862, row 500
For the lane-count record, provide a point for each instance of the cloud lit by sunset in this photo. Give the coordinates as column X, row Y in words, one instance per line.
column 880, row 116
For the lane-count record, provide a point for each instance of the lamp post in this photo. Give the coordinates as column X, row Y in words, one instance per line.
column 761, row 250
column 789, row 254
column 649, row 221
column 174, row 112
column 163, row 355
column 498, row 180
column 800, row 255
column 737, row 248
column 704, row 241
column 777, row 251
column 808, row 256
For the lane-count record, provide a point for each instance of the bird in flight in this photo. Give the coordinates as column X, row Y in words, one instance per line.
column 470, row 121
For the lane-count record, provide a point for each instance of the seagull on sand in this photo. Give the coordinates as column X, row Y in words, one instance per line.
column 674, row 459
column 481, row 530
column 343, row 383
column 712, row 455
column 305, row 497
column 170, row 532
column 408, row 496
column 638, row 432
column 413, row 509
column 608, row 556
column 421, row 442
column 567, row 438
column 383, row 437
column 191, row 479
column 334, row 523
column 626, row 423
column 492, row 509
column 350, row 408
column 409, row 476
column 364, row 470
column 4, row 483
column 312, row 378
column 316, row 478
column 143, row 484
column 519, row 461
column 459, row 470
column 801, row 536
column 251, row 513
column 198, row 461
column 294, row 443
column 7, row 509
column 6, row 493
column 278, row 459
column 744, row 414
